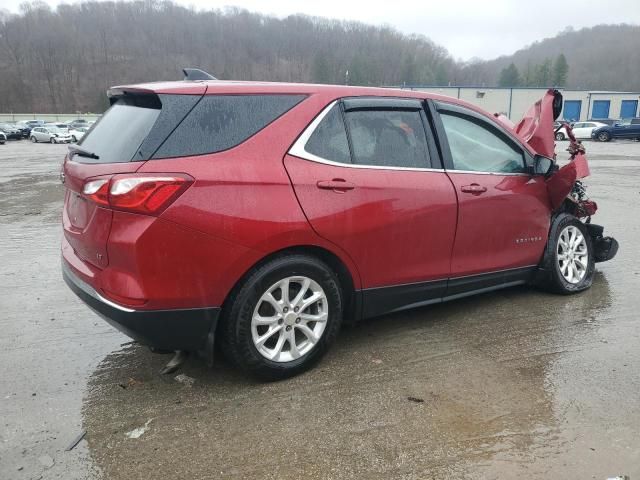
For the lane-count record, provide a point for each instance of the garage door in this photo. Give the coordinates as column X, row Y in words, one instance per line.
column 571, row 111
column 628, row 108
column 600, row 109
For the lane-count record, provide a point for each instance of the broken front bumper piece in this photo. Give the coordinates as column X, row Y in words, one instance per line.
column 604, row 248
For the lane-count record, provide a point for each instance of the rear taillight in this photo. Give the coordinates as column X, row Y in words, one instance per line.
column 98, row 191
column 137, row 193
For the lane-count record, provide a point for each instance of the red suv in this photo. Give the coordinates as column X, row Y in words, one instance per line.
column 261, row 216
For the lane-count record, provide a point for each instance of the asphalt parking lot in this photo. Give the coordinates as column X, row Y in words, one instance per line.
column 512, row 384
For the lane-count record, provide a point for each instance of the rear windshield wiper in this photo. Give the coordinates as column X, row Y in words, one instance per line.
column 81, row 152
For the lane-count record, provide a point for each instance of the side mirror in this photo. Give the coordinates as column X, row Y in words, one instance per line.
column 543, row 166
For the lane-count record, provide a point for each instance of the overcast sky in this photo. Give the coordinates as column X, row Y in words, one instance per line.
column 467, row 28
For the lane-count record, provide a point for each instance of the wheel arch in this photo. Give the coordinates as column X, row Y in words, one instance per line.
column 348, row 277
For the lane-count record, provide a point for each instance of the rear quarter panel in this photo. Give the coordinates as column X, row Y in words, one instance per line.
column 243, row 196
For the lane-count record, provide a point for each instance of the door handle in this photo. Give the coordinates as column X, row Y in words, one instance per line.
column 339, row 185
column 473, row 188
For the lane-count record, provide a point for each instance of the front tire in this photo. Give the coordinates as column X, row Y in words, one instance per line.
column 569, row 256
column 604, row 136
column 283, row 317
column 52, row 140
column 559, row 136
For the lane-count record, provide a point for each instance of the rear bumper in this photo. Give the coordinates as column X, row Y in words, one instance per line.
column 182, row 329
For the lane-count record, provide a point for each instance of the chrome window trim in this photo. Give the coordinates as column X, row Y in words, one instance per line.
column 502, row 174
column 298, row 150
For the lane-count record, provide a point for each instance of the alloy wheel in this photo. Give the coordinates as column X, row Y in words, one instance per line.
column 289, row 319
column 572, row 254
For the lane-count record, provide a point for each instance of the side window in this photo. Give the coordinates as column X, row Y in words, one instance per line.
column 478, row 148
column 329, row 139
column 393, row 138
column 580, row 125
column 220, row 122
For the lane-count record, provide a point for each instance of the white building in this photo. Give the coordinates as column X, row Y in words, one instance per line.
column 579, row 105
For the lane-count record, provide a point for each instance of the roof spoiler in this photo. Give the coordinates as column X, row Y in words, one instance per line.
column 197, row 74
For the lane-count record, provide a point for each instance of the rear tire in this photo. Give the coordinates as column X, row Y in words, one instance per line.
column 559, row 136
column 604, row 136
column 33, row 139
column 569, row 258
column 259, row 322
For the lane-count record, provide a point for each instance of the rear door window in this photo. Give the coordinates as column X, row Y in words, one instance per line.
column 221, row 122
column 389, row 138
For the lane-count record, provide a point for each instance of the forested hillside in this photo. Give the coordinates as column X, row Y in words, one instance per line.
column 63, row 60
column 605, row 57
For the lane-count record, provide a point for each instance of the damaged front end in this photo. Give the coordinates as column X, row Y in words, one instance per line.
column 567, row 193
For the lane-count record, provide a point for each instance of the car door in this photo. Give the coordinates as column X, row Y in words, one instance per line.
column 39, row 134
column 504, row 212
column 367, row 175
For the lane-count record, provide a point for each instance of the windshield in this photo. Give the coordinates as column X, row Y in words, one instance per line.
column 121, row 130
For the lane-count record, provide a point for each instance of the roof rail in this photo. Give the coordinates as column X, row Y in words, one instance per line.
column 196, row 74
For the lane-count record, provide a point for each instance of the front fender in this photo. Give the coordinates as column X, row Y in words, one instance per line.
column 560, row 184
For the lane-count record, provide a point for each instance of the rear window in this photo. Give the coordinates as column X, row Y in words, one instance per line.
column 143, row 127
column 119, row 133
column 221, row 122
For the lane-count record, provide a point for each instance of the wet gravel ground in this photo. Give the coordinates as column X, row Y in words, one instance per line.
column 517, row 383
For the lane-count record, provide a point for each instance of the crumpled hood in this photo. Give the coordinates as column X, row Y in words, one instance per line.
column 536, row 127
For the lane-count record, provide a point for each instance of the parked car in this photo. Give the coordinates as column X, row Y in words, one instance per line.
column 25, row 128
column 580, row 130
column 79, row 123
column 59, row 125
column 10, row 131
column 3, row 138
column 628, row 128
column 607, row 121
column 78, row 133
column 51, row 134
column 270, row 214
